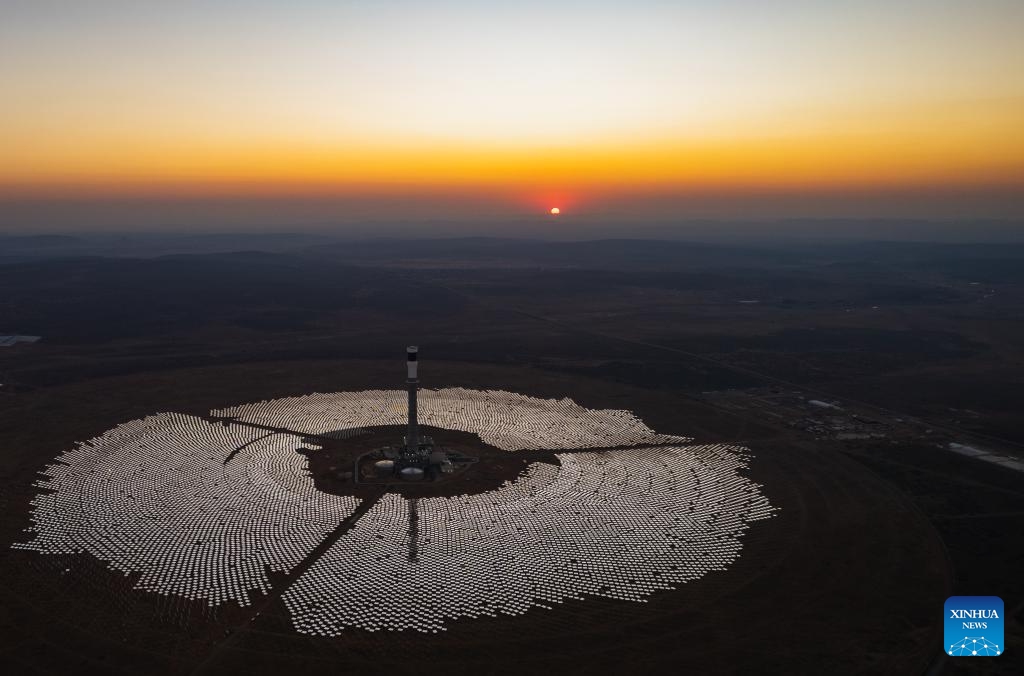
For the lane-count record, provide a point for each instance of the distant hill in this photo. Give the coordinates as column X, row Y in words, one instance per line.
column 11, row 242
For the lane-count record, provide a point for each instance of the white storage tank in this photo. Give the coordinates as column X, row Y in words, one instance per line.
column 384, row 468
column 412, row 474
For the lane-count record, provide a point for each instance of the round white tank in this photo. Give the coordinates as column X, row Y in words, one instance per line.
column 384, row 467
column 412, row 474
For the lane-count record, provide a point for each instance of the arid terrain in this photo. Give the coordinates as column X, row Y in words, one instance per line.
column 848, row 369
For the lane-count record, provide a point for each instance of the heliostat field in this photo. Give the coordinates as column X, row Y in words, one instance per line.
column 207, row 508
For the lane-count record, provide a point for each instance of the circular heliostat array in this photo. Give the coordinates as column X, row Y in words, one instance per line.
column 204, row 508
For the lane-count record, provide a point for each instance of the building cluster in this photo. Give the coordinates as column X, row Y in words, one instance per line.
column 620, row 524
column 202, row 510
column 509, row 421
column 816, row 417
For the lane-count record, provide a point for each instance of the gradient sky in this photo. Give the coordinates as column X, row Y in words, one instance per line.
column 400, row 109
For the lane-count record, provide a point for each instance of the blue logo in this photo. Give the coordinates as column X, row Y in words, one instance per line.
column 974, row 626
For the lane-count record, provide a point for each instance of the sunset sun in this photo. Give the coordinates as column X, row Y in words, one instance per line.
column 555, row 211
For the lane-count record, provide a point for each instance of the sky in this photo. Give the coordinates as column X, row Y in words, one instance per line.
column 256, row 113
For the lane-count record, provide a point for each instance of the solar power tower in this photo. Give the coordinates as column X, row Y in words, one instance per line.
column 417, row 459
column 412, row 438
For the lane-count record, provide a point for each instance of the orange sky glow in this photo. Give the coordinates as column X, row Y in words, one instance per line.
column 374, row 103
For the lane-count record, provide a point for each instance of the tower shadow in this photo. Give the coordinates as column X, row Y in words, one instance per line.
column 414, row 529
